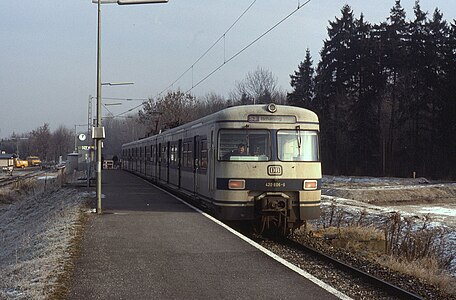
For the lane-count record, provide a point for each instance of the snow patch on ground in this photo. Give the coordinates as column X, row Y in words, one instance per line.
column 417, row 199
column 48, row 177
column 437, row 210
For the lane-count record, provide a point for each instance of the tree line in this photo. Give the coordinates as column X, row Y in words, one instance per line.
column 176, row 107
column 41, row 142
column 384, row 94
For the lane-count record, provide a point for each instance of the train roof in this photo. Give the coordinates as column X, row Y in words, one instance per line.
column 242, row 113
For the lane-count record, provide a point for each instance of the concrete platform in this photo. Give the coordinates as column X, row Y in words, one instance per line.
column 149, row 245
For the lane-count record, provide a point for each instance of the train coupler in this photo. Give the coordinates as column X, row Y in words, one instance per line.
column 274, row 211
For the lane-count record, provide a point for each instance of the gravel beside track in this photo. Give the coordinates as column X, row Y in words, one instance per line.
column 357, row 287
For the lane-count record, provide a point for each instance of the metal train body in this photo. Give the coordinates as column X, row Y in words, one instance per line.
column 277, row 183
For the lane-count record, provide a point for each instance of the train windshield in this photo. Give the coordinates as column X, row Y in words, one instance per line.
column 244, row 145
column 297, row 145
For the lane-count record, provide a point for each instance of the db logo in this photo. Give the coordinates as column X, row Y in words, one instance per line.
column 274, row 170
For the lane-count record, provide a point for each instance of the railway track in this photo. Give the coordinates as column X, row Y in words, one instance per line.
column 5, row 181
column 354, row 282
column 383, row 285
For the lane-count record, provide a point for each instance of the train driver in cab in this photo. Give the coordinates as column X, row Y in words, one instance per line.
column 240, row 151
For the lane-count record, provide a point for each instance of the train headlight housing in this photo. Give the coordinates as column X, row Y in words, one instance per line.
column 310, row 185
column 236, row 184
column 272, row 107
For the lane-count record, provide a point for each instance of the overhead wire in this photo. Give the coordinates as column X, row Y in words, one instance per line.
column 249, row 45
column 107, row 108
column 131, row 109
column 125, row 99
column 209, row 49
column 199, row 58
column 229, row 59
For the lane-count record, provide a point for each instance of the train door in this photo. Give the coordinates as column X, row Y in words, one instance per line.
column 179, row 163
column 196, row 140
column 146, row 163
column 159, row 160
column 201, row 165
column 139, row 160
column 211, row 161
column 155, row 161
column 136, row 159
column 168, row 146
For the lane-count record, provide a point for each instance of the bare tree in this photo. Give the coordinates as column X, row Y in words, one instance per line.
column 210, row 103
column 120, row 131
column 259, row 86
column 40, row 140
column 170, row 111
column 61, row 142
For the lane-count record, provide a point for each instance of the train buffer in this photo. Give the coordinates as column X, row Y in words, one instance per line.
column 149, row 245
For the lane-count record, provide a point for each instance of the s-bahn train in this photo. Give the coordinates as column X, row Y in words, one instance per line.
column 256, row 163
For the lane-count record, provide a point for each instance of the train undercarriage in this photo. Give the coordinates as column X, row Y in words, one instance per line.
column 275, row 213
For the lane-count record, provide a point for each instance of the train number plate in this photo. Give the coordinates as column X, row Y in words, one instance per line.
column 274, row 170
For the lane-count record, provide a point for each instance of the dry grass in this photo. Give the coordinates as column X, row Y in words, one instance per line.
column 25, row 187
column 367, row 240
column 412, row 241
column 427, row 269
column 406, row 245
column 357, row 233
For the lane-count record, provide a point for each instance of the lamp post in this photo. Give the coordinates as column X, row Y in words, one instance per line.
column 98, row 132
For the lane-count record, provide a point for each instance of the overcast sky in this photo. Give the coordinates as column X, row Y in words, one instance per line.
column 48, row 50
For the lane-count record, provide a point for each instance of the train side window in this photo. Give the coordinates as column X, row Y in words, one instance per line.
column 173, row 154
column 164, row 155
column 203, row 154
column 187, row 155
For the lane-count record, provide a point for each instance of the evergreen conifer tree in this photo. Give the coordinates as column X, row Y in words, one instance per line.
column 303, row 83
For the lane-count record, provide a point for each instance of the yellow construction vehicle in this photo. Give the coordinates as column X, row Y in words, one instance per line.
column 20, row 163
column 33, row 161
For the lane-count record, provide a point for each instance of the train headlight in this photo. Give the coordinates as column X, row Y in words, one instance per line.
column 272, row 107
column 236, row 184
column 310, row 185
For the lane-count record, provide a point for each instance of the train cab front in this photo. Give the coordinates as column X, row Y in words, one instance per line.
column 268, row 167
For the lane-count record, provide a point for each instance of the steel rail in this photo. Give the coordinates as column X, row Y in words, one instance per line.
column 374, row 280
column 16, row 178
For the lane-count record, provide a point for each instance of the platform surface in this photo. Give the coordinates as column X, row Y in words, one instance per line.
column 149, row 245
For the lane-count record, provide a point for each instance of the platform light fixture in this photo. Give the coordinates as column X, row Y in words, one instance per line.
column 98, row 131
